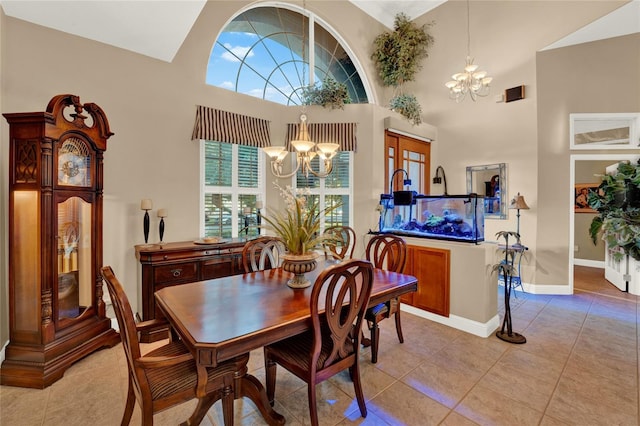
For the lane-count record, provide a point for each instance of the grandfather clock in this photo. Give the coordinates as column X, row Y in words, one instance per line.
column 56, row 311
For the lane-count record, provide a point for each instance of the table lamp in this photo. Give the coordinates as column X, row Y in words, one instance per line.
column 518, row 203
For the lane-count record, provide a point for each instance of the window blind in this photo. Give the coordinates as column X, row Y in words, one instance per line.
column 223, row 126
column 340, row 133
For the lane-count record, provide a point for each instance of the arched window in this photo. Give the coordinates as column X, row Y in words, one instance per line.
column 260, row 53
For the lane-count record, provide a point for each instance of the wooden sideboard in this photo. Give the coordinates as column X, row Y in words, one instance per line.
column 169, row 264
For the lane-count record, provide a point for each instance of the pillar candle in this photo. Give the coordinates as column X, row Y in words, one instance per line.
column 146, row 204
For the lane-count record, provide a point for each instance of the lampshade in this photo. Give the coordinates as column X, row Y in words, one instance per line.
column 518, row 203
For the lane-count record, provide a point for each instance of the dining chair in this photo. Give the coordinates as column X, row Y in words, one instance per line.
column 338, row 301
column 262, row 253
column 387, row 252
column 166, row 376
column 343, row 243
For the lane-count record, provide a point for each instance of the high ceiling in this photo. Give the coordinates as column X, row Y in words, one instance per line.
column 158, row 28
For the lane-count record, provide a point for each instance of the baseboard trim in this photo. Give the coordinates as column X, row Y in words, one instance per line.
column 589, row 263
column 473, row 327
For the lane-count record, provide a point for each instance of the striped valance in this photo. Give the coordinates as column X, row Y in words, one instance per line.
column 341, row 133
column 223, row 126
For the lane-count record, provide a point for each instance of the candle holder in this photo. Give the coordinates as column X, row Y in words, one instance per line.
column 146, row 205
column 162, row 213
column 247, row 212
column 258, row 215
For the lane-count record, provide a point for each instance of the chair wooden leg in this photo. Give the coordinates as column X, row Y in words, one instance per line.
column 147, row 414
column 357, row 385
column 270, row 379
column 375, row 337
column 313, row 407
column 129, row 406
column 399, row 324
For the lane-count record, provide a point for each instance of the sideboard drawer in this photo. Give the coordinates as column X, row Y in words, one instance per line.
column 187, row 271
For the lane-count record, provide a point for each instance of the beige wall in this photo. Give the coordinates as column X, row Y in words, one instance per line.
column 151, row 106
column 600, row 76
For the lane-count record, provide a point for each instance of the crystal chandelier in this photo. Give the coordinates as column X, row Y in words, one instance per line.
column 305, row 149
column 471, row 81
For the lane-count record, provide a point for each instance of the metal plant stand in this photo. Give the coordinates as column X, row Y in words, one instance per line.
column 508, row 271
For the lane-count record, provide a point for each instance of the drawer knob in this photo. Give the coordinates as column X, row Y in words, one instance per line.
column 176, row 272
column 165, row 257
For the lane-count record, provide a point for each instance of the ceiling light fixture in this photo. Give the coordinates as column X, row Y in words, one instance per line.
column 471, row 81
column 305, row 148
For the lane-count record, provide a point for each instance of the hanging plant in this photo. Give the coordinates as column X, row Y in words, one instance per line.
column 329, row 94
column 618, row 205
column 398, row 54
column 408, row 106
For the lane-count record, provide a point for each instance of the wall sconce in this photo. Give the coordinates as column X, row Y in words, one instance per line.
column 438, row 180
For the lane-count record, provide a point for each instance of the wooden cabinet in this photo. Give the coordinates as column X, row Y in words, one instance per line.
column 56, row 311
column 177, row 263
column 431, row 267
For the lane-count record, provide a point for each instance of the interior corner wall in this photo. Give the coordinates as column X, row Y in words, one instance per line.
column 600, row 76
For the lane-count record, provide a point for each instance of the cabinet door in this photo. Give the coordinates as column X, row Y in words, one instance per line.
column 431, row 267
column 218, row 267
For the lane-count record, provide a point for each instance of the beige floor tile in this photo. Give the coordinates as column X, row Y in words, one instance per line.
column 456, row 419
column 333, row 404
column 487, row 407
column 445, row 385
column 401, row 404
column 373, row 381
column 396, row 361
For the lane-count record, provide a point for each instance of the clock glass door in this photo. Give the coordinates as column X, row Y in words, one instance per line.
column 74, row 257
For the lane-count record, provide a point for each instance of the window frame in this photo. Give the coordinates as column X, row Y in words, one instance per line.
column 322, row 191
column 234, row 190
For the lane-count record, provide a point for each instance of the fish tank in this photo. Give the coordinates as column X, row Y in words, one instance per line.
column 443, row 217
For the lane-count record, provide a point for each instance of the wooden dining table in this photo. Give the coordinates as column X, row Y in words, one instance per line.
column 223, row 318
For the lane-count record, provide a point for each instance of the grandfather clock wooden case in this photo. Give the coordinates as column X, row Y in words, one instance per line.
column 56, row 311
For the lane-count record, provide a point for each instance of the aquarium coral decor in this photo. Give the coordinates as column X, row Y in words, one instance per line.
column 450, row 217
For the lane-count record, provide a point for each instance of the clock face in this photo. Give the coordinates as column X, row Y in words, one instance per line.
column 73, row 164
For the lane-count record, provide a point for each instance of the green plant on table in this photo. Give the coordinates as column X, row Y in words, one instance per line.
column 299, row 225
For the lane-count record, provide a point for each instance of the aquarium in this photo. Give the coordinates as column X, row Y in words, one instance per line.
column 443, row 217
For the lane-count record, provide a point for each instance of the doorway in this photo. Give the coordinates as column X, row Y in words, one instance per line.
column 584, row 169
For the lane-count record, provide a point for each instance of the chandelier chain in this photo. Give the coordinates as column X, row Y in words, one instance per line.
column 470, row 80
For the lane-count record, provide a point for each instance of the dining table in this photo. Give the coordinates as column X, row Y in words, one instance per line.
column 223, row 318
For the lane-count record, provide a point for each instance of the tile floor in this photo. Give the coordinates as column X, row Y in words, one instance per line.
column 578, row 367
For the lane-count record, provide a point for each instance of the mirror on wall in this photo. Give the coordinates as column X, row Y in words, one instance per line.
column 490, row 181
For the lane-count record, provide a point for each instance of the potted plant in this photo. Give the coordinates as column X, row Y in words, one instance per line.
column 507, row 270
column 408, row 106
column 299, row 229
column 329, row 94
column 617, row 202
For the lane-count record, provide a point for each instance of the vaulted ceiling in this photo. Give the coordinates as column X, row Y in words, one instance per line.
column 158, row 28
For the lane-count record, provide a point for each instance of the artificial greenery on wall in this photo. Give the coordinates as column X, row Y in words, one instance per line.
column 618, row 205
column 408, row 106
column 398, row 55
column 329, row 94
